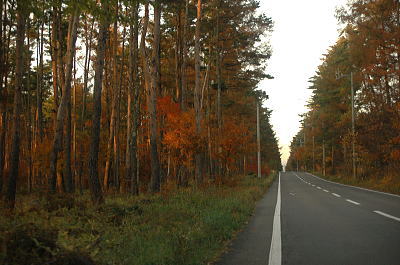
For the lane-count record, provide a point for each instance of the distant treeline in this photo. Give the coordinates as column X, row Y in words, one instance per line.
column 367, row 58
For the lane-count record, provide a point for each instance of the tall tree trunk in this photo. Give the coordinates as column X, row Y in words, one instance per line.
column 3, row 96
column 197, row 96
column 152, row 102
column 88, row 53
column 133, row 110
column 94, row 184
column 39, row 108
column 63, row 109
column 74, row 141
column 29, row 126
column 120, row 84
column 219, row 87
column 15, row 131
column 4, row 85
column 114, row 105
column 184, row 56
column 218, row 72
column 54, row 61
column 151, row 89
column 178, row 56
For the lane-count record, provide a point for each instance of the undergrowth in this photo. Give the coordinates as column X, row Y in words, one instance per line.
column 385, row 184
column 186, row 226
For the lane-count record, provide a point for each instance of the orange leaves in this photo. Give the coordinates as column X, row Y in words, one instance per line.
column 234, row 141
column 166, row 106
column 179, row 129
column 180, row 133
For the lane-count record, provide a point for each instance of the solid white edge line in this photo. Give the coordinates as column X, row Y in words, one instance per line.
column 388, row 215
column 275, row 251
column 340, row 184
column 353, row 202
column 336, row 195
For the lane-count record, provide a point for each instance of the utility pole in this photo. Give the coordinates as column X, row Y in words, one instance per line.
column 323, row 157
column 258, row 142
column 352, row 125
column 313, row 148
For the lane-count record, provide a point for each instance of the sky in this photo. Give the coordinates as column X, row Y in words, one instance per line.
column 303, row 32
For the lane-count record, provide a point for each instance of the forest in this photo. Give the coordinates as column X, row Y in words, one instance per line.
column 351, row 131
column 125, row 96
column 129, row 126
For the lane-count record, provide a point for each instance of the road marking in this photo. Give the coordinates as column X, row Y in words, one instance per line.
column 318, row 187
column 300, row 178
column 326, row 190
column 356, row 203
column 313, row 185
column 275, row 251
column 337, row 195
column 388, row 215
column 340, row 184
column 292, row 194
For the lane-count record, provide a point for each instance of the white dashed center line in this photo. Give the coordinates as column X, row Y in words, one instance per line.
column 353, row 202
column 275, row 251
column 336, row 195
column 388, row 215
column 319, row 188
column 326, row 190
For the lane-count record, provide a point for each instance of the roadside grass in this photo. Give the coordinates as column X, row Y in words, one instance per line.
column 186, row 226
column 385, row 184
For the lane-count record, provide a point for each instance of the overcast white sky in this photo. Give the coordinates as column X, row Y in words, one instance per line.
column 303, row 31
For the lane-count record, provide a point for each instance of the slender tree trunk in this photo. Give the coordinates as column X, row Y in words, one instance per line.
column 218, row 73
column 152, row 104
column 219, row 87
column 131, row 155
column 88, row 53
column 94, row 184
column 120, row 84
column 178, row 56
column 4, row 77
column 15, row 131
column 3, row 101
column 197, row 96
column 74, row 141
column 184, row 56
column 54, row 61
column 28, row 112
column 65, row 109
column 151, row 83
column 114, row 104
column 39, row 108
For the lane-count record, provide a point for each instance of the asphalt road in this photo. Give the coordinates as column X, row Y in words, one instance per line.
column 319, row 222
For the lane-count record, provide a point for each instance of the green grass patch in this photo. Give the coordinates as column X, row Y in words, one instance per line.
column 187, row 226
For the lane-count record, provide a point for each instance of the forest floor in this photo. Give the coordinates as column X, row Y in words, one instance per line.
column 384, row 184
column 184, row 226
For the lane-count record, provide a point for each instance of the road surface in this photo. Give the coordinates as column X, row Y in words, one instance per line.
column 314, row 221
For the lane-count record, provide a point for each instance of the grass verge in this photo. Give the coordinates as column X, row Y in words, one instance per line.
column 180, row 227
column 385, row 184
